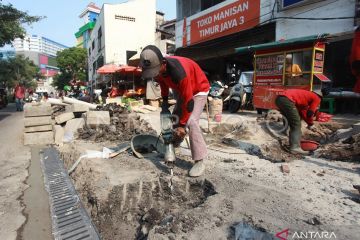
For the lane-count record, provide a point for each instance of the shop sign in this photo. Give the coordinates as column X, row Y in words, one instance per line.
column 269, row 65
column 237, row 16
column 319, row 61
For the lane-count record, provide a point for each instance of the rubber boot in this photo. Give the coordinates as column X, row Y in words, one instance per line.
column 198, row 169
column 298, row 150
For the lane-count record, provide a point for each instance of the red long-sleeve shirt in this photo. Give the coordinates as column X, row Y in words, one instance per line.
column 187, row 79
column 304, row 100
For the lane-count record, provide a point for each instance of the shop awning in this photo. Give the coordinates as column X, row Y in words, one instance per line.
column 283, row 43
column 322, row 77
column 109, row 68
column 129, row 69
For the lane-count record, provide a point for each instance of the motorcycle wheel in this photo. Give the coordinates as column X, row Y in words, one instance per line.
column 234, row 106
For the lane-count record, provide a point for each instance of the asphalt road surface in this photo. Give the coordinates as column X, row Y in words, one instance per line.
column 24, row 208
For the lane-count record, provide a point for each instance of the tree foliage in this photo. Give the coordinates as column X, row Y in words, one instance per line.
column 11, row 20
column 18, row 69
column 73, row 66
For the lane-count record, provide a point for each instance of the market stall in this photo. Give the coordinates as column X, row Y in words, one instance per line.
column 296, row 63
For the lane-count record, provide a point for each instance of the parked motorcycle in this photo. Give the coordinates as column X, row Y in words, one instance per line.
column 242, row 88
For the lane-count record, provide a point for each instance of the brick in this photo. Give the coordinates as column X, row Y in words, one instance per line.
column 37, row 110
column 77, row 108
column 285, row 168
column 64, row 117
column 43, row 128
column 96, row 118
column 39, row 138
column 37, row 121
column 58, row 134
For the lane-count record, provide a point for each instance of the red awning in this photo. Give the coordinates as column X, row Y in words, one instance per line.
column 106, row 69
column 129, row 69
column 322, row 77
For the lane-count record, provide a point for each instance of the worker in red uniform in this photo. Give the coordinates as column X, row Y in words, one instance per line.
column 191, row 86
column 297, row 104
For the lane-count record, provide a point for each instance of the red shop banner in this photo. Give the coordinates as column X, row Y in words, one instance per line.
column 235, row 17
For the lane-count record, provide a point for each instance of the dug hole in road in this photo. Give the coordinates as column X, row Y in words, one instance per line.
column 129, row 198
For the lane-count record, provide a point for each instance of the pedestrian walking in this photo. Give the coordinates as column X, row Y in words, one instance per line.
column 19, row 95
column 191, row 87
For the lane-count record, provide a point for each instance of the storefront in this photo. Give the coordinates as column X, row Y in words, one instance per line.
column 210, row 36
column 292, row 64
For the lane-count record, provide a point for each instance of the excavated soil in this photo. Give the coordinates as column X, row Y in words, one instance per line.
column 343, row 150
column 123, row 126
column 127, row 197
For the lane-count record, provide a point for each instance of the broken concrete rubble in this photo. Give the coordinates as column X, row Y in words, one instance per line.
column 77, row 108
column 97, row 118
column 64, row 117
column 39, row 138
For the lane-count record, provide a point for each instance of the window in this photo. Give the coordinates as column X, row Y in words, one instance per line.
column 89, row 51
column 99, row 38
column 186, row 8
column 93, row 45
column 125, row 18
column 298, row 68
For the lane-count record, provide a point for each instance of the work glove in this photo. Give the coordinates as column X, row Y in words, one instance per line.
column 178, row 136
column 309, row 114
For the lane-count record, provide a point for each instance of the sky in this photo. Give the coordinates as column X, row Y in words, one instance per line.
column 62, row 16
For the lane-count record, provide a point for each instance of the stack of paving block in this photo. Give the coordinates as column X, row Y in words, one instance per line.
column 38, row 124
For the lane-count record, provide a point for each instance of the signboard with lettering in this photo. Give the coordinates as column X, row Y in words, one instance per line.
column 319, row 61
column 270, row 65
column 237, row 16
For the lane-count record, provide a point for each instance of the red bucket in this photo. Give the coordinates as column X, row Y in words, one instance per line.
column 308, row 145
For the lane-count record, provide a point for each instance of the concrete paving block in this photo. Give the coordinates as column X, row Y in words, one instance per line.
column 73, row 125
column 37, row 121
column 64, row 117
column 37, row 110
column 39, row 138
column 43, row 128
column 77, row 108
column 58, row 134
column 96, row 118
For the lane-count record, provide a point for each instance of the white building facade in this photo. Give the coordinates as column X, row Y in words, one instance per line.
column 120, row 32
column 40, row 44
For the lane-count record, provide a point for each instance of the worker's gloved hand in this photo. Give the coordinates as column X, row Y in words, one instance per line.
column 178, row 136
column 309, row 114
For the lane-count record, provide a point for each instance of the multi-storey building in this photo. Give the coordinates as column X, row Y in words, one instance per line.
column 89, row 16
column 40, row 44
column 42, row 51
column 121, row 31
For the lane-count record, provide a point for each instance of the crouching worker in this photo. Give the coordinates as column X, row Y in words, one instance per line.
column 297, row 104
column 191, row 86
